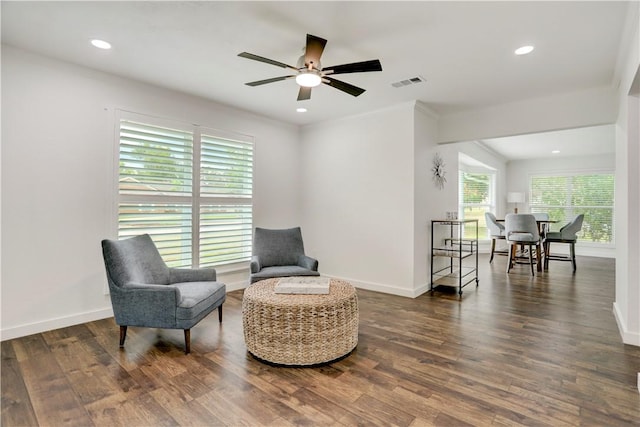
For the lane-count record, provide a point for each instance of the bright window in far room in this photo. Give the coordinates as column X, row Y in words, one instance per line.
column 187, row 186
column 476, row 196
column 564, row 196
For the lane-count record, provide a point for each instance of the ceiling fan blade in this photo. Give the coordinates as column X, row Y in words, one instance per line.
column 313, row 51
column 356, row 67
column 345, row 87
column 304, row 93
column 264, row 82
column 266, row 60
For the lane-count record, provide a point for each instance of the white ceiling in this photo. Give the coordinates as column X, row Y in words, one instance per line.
column 587, row 141
column 464, row 50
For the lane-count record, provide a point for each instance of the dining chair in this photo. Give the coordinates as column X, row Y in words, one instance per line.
column 542, row 227
column 567, row 234
column 497, row 232
column 522, row 230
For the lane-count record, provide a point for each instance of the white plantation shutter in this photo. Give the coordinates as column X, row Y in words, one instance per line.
column 226, row 188
column 169, row 224
column 188, row 189
column 226, row 168
column 155, row 160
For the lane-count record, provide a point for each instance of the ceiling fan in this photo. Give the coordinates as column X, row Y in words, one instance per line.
column 310, row 73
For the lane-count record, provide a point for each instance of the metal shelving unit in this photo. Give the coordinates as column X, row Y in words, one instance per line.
column 459, row 255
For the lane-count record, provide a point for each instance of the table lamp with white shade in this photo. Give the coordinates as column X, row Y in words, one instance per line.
column 515, row 197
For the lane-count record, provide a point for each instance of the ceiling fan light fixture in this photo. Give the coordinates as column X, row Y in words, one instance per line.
column 308, row 78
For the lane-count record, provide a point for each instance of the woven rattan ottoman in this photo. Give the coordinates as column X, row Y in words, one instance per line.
column 301, row 330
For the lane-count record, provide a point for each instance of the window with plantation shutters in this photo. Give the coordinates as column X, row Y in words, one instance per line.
column 567, row 195
column 188, row 187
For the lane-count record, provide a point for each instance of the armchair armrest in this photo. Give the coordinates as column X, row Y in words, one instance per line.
column 308, row 262
column 177, row 275
column 138, row 304
column 255, row 264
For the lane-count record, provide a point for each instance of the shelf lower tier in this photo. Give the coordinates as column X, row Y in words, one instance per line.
column 454, row 278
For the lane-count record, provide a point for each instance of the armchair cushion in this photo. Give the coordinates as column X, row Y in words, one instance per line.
column 282, row 271
column 196, row 298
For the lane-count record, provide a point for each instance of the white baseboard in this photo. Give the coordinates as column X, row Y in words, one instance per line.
column 384, row 288
column 234, row 286
column 76, row 319
column 631, row 338
column 51, row 324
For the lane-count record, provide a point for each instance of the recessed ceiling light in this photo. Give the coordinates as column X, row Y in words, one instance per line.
column 301, row 110
column 101, row 44
column 555, row 151
column 523, row 50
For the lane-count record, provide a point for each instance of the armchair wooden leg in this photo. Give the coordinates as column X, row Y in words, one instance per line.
column 123, row 335
column 187, row 341
column 547, row 245
column 220, row 314
column 572, row 249
column 493, row 249
column 531, row 259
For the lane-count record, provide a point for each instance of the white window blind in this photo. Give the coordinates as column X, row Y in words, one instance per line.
column 564, row 196
column 189, row 188
column 475, row 197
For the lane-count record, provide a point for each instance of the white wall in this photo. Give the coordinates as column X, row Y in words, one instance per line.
column 58, row 189
column 627, row 301
column 357, row 202
column 429, row 201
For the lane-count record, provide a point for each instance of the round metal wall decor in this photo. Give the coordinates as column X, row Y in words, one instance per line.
column 438, row 171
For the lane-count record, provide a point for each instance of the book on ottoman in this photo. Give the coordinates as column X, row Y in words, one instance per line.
column 303, row 285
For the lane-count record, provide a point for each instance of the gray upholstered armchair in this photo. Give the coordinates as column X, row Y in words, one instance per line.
column 145, row 292
column 280, row 253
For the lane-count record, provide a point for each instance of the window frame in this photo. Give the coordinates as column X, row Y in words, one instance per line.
column 195, row 199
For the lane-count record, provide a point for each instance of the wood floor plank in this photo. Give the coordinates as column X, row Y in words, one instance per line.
column 516, row 351
column 16, row 402
column 54, row 400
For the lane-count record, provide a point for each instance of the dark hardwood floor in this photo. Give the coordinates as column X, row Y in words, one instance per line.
column 517, row 350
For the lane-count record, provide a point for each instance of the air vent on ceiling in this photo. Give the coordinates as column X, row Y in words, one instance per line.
column 409, row 82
